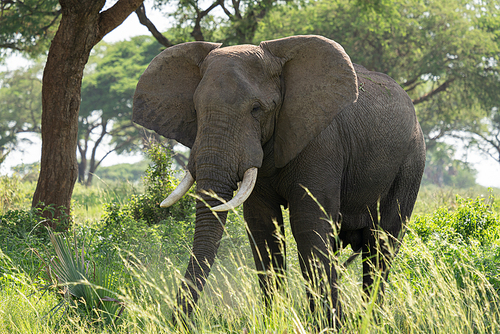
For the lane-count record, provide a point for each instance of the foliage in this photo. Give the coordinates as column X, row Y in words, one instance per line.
column 158, row 183
column 234, row 23
column 472, row 220
column 485, row 134
column 21, row 233
column 123, row 172
column 85, row 286
column 20, row 104
column 14, row 193
column 469, row 232
column 27, row 172
column 140, row 217
column 27, row 25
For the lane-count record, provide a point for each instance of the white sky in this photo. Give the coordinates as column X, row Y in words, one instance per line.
column 488, row 169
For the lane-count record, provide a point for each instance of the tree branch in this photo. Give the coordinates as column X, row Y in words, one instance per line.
column 415, row 85
column 236, row 6
column 226, row 11
column 196, row 33
column 143, row 19
column 11, row 46
column 57, row 14
column 427, row 96
column 114, row 16
column 495, row 145
column 410, row 82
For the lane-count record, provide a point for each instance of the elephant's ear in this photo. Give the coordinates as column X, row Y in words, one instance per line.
column 163, row 99
column 319, row 81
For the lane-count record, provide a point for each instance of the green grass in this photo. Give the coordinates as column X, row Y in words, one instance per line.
column 87, row 202
column 445, row 278
column 423, row 296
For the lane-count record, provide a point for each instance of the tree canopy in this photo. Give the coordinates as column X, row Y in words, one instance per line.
column 27, row 25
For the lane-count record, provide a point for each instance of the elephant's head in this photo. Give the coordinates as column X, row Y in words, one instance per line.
column 226, row 103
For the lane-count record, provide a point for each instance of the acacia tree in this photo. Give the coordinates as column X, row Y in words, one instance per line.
column 83, row 24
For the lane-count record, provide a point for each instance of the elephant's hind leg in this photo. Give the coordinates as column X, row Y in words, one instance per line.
column 395, row 209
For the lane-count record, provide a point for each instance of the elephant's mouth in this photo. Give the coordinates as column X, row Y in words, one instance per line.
column 246, row 188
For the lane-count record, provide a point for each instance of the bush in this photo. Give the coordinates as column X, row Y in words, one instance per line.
column 21, row 234
column 468, row 234
column 473, row 219
column 139, row 226
column 158, row 183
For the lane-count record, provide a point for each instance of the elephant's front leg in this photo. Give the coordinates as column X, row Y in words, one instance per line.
column 266, row 235
column 317, row 243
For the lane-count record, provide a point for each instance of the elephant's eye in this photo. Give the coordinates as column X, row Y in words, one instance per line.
column 256, row 109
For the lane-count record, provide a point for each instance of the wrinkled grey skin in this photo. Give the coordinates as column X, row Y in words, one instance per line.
column 300, row 111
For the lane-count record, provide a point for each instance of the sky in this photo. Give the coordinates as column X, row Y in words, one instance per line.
column 488, row 169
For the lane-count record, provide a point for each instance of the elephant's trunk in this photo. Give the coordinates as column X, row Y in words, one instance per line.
column 220, row 156
column 208, row 233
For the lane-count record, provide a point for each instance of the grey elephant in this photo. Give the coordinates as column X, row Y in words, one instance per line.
column 287, row 117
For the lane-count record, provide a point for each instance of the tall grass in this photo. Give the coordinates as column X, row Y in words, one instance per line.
column 87, row 202
column 424, row 295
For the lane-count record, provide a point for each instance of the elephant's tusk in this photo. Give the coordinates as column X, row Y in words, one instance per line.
column 178, row 192
column 249, row 179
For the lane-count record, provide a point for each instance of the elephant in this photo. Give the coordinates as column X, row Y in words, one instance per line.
column 287, row 118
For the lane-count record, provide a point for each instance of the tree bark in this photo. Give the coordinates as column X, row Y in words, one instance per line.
column 82, row 26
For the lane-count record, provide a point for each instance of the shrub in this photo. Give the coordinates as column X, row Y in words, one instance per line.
column 140, row 226
column 158, row 183
column 473, row 219
column 21, row 233
column 469, row 234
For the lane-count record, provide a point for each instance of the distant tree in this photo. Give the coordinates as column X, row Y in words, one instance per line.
column 83, row 24
column 484, row 134
column 20, row 105
column 123, row 172
column 442, row 169
column 106, row 109
column 27, row 25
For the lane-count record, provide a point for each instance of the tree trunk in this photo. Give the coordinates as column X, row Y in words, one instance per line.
column 82, row 26
column 82, row 167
